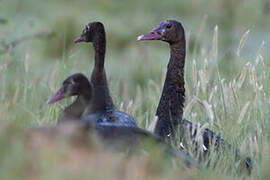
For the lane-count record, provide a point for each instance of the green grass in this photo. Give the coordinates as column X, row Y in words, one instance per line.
column 226, row 92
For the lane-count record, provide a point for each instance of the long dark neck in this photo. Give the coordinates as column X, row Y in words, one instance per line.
column 99, row 44
column 170, row 108
column 101, row 99
column 74, row 111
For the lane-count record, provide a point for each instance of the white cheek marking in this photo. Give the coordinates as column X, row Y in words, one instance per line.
column 72, row 81
column 162, row 31
column 139, row 37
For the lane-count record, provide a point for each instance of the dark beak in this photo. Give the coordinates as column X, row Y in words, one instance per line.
column 80, row 39
column 57, row 97
column 153, row 35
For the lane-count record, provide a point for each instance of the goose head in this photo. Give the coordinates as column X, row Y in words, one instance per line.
column 170, row 31
column 74, row 85
column 90, row 32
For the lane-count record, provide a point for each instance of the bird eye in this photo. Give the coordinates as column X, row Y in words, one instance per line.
column 65, row 83
column 168, row 26
column 68, row 83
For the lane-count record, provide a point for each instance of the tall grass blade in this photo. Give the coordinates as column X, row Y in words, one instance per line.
column 214, row 51
column 243, row 112
column 242, row 42
column 194, row 73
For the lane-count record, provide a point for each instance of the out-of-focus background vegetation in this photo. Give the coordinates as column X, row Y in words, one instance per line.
column 227, row 77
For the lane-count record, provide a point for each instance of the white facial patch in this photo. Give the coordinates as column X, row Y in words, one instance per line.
column 139, row 37
column 72, row 81
column 162, row 31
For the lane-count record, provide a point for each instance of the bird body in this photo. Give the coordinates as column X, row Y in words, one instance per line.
column 171, row 104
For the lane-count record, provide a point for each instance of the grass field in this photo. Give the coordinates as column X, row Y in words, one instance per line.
column 227, row 81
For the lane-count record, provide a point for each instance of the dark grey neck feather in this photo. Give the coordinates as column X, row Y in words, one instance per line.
column 74, row 111
column 99, row 44
column 170, row 108
column 101, row 99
